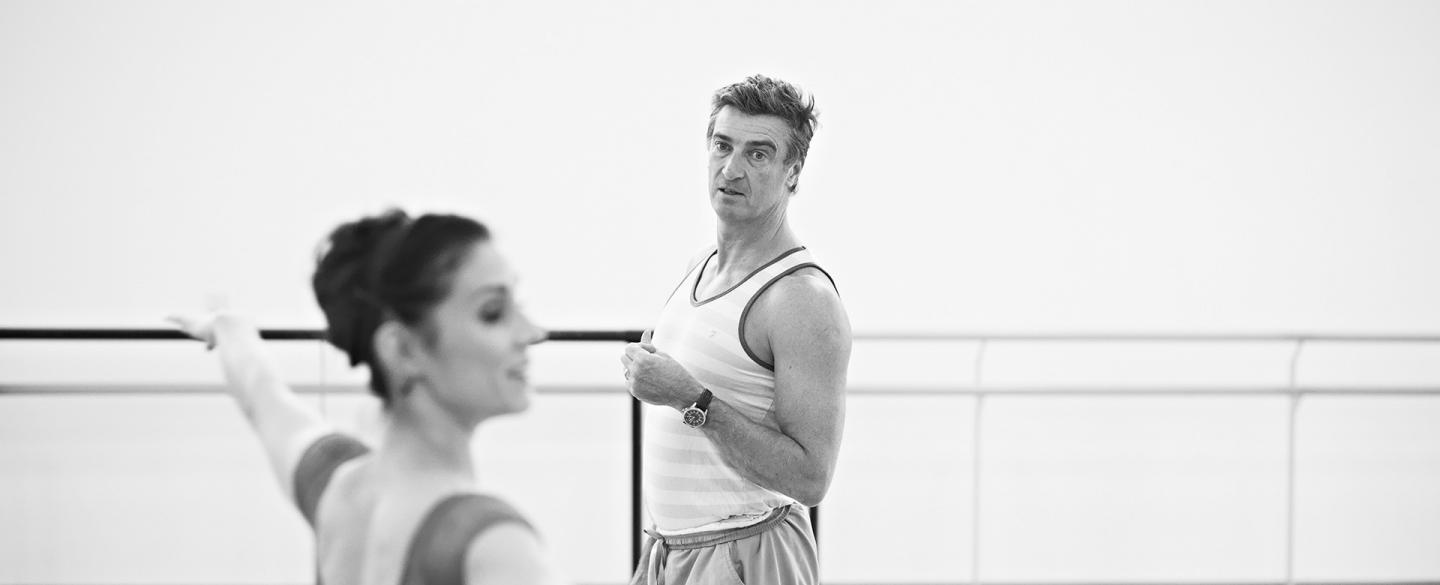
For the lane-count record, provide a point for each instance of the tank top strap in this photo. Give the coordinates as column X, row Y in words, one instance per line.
column 438, row 550
column 791, row 262
column 740, row 292
column 317, row 465
column 784, row 264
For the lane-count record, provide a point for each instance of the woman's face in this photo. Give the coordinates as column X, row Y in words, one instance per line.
column 476, row 363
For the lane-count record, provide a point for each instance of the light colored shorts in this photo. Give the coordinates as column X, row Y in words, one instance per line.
column 779, row 550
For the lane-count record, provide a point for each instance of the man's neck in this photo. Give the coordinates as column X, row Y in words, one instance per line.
column 744, row 247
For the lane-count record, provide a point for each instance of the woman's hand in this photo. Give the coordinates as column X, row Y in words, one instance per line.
column 198, row 326
column 205, row 326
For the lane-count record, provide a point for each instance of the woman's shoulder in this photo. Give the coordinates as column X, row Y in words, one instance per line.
column 510, row 553
column 469, row 533
column 318, row 466
column 509, row 550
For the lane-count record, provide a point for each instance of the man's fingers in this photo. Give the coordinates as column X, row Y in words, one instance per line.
column 647, row 336
column 635, row 350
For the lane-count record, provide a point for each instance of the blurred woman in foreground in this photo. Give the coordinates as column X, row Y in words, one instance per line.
column 428, row 305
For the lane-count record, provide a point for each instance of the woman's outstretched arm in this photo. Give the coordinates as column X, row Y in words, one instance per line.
column 285, row 424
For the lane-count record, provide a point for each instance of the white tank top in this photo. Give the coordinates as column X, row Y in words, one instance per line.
column 688, row 487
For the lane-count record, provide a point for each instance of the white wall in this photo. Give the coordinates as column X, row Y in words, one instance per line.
column 1056, row 166
column 1182, row 166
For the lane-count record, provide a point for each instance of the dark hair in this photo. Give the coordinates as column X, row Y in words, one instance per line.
column 760, row 95
column 387, row 266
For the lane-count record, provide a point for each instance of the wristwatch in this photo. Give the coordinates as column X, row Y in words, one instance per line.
column 694, row 415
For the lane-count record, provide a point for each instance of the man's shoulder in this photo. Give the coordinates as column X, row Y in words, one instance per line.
column 805, row 296
column 807, row 284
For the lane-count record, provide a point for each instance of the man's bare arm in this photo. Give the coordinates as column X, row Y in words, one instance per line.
column 809, row 337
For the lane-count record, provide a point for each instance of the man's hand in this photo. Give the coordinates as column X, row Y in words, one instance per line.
column 654, row 377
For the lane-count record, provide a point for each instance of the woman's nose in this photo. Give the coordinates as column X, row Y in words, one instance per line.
column 532, row 333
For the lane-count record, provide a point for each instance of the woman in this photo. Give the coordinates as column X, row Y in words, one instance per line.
column 428, row 304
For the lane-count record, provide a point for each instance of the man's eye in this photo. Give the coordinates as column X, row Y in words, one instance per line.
column 491, row 315
column 720, row 146
column 759, row 156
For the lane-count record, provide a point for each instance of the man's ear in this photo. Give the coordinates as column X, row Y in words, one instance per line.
column 792, row 178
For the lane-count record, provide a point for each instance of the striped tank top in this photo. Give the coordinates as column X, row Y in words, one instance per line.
column 688, row 486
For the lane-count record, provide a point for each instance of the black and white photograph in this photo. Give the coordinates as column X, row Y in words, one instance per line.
column 603, row 292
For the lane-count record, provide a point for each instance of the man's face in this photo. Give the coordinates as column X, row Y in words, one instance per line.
column 748, row 174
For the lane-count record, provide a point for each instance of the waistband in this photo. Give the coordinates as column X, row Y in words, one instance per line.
column 716, row 537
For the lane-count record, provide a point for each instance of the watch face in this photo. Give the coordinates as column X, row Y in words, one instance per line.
column 693, row 417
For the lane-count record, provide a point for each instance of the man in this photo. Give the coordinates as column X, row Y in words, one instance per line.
column 744, row 379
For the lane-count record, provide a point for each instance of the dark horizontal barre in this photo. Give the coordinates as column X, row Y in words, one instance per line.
column 632, row 336
column 21, row 333
column 203, row 388
column 141, row 334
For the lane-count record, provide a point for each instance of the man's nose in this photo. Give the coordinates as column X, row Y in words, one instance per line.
column 731, row 169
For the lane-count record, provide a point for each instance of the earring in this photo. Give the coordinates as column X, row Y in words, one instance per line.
column 408, row 383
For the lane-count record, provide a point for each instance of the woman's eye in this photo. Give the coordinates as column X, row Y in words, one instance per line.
column 492, row 314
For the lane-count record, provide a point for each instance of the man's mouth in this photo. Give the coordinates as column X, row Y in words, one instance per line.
column 731, row 192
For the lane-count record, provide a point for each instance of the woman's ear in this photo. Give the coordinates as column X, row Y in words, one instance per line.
column 395, row 345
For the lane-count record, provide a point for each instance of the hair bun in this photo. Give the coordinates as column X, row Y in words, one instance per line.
column 345, row 280
column 388, row 267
